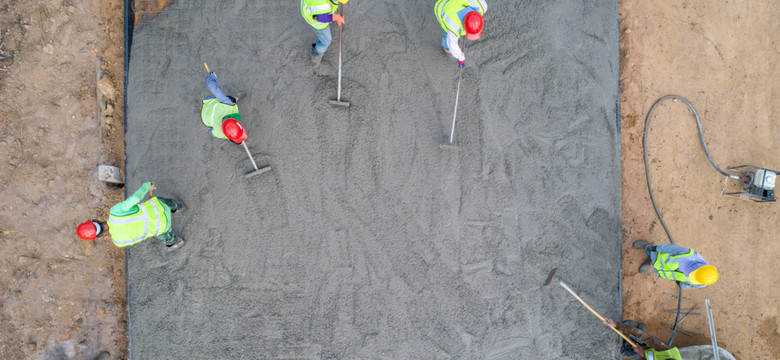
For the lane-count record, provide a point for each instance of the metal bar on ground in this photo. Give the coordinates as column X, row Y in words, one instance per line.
column 712, row 330
column 678, row 329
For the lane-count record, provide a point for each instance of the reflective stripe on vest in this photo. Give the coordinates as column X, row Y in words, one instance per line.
column 132, row 229
column 671, row 354
column 312, row 8
column 667, row 266
column 212, row 114
column 447, row 13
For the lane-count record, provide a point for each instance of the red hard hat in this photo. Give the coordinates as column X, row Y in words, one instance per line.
column 87, row 230
column 234, row 131
column 472, row 23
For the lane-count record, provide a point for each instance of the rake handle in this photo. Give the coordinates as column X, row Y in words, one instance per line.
column 633, row 344
column 250, row 155
column 338, row 94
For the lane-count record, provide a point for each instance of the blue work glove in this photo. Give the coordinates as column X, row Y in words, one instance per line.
column 211, row 77
column 461, row 63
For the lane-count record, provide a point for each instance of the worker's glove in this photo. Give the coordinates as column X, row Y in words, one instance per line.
column 338, row 19
column 211, row 77
column 461, row 63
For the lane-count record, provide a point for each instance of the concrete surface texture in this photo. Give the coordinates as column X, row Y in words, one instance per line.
column 366, row 240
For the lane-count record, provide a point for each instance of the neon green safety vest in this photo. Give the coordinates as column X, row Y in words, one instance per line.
column 667, row 266
column 212, row 114
column 312, row 8
column 673, row 353
column 447, row 13
column 152, row 219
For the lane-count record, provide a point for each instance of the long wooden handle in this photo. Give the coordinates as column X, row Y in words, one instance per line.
column 595, row 313
column 207, row 67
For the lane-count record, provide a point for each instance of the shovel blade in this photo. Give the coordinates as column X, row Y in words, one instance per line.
column 550, row 277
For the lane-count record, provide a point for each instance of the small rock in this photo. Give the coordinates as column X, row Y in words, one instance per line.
column 109, row 110
column 18, row 293
column 107, row 88
column 31, row 345
column 108, row 120
column 49, row 49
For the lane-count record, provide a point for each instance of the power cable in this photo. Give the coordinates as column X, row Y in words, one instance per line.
column 644, row 150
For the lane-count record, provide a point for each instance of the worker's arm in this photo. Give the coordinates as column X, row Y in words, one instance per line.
column 329, row 18
column 452, row 44
column 647, row 339
column 213, row 85
column 126, row 207
column 672, row 249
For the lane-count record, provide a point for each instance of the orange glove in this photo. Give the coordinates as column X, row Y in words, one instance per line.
column 338, row 19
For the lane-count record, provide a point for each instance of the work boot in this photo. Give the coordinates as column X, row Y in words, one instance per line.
column 635, row 324
column 315, row 57
column 177, row 244
column 446, row 51
column 641, row 244
column 647, row 265
column 179, row 207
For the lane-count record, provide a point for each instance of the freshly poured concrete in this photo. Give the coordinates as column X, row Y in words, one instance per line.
column 366, row 240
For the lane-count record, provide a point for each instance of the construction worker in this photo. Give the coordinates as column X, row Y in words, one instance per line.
column 458, row 18
column 130, row 222
column 217, row 107
column 674, row 262
column 319, row 14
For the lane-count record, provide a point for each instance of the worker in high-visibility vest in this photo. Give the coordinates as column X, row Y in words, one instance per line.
column 217, row 107
column 685, row 266
column 458, row 18
column 132, row 221
column 319, row 14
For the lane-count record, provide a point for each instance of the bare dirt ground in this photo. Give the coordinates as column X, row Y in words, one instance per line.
column 60, row 297
column 722, row 56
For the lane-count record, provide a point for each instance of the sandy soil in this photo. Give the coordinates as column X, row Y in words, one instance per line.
column 722, row 56
column 60, row 297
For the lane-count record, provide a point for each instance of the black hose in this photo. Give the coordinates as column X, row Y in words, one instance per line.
column 644, row 150
column 677, row 318
column 650, row 188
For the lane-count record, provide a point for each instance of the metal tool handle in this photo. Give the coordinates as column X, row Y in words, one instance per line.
column 595, row 313
column 712, row 330
column 341, row 27
column 455, row 113
column 250, row 155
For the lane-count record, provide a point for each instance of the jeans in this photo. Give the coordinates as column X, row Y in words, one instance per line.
column 169, row 238
column 444, row 41
column 323, row 40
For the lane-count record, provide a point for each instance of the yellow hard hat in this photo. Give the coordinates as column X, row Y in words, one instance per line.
column 704, row 275
column 343, row 1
